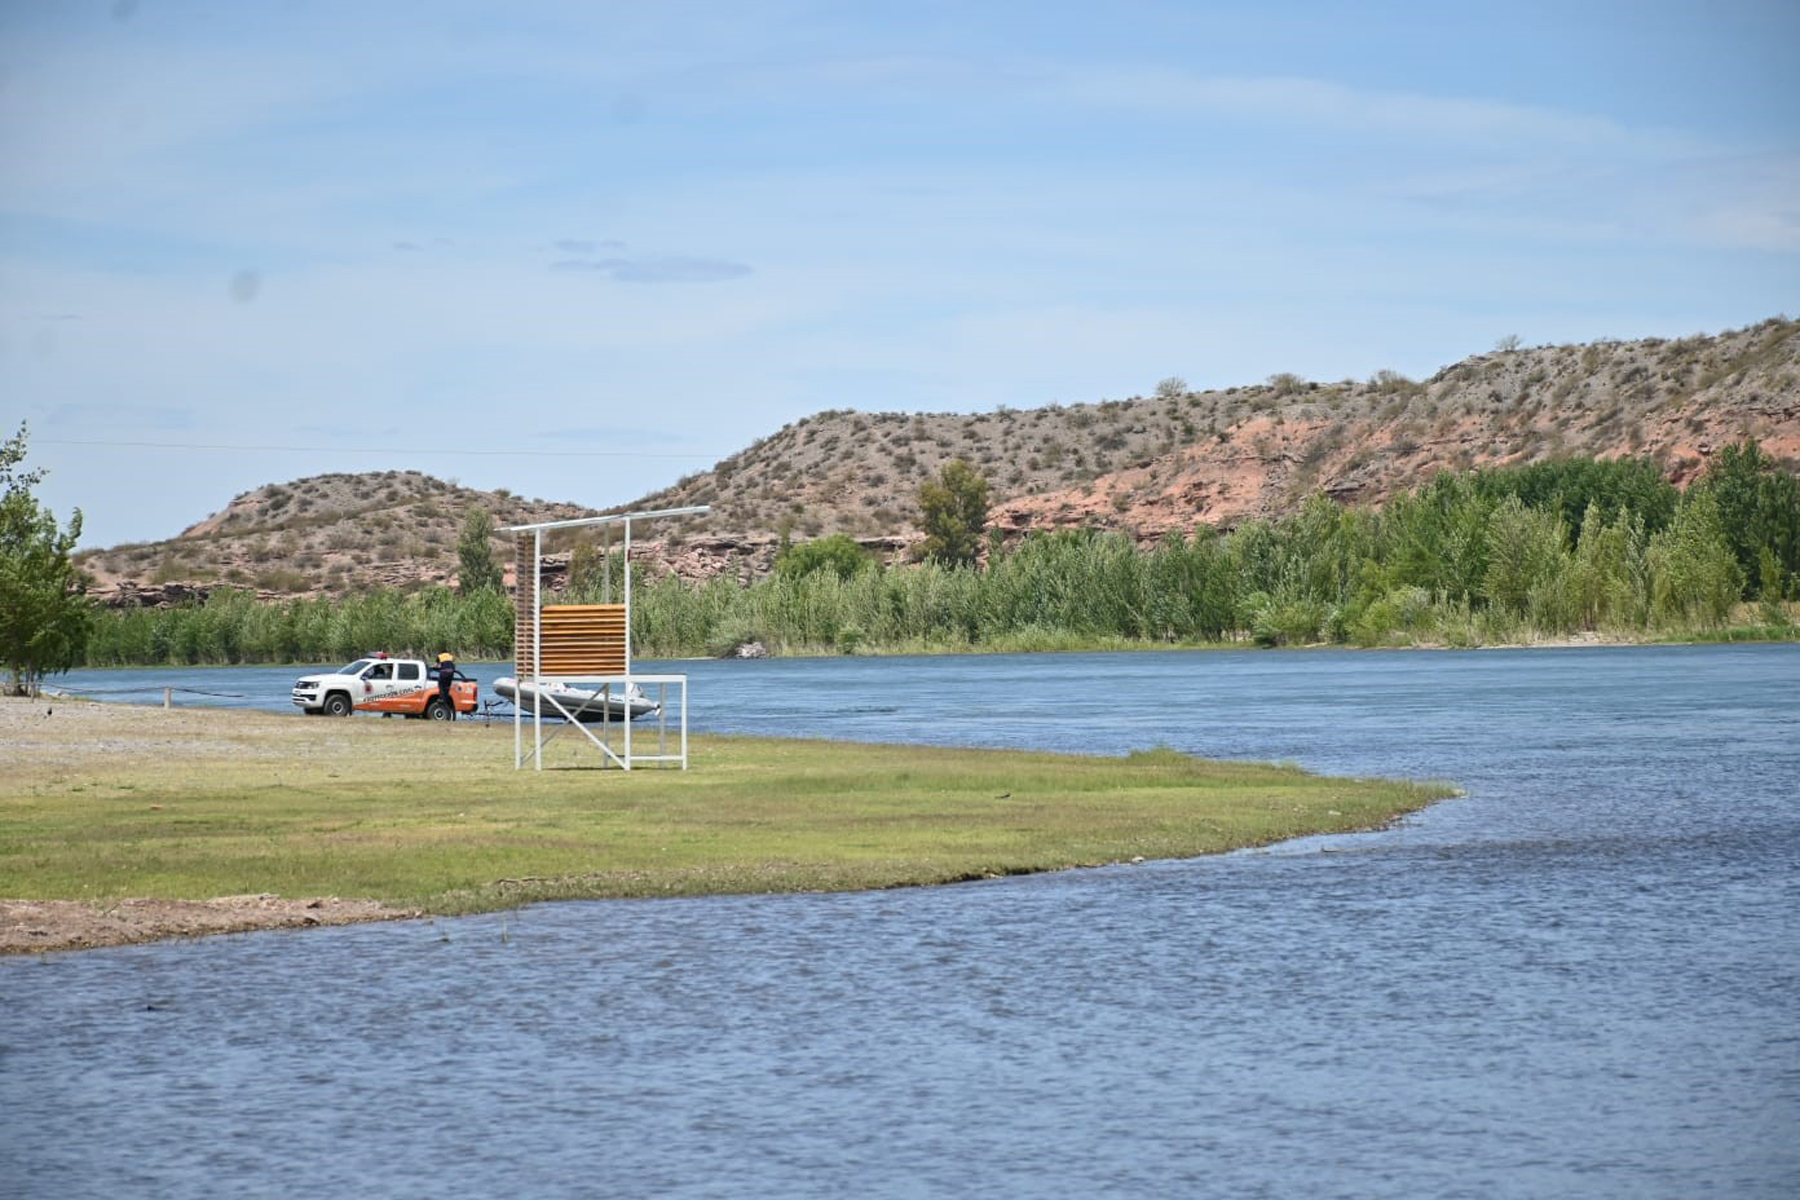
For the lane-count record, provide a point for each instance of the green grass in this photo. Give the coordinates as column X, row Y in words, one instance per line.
column 195, row 804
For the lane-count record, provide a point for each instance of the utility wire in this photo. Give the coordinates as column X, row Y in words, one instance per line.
column 383, row 449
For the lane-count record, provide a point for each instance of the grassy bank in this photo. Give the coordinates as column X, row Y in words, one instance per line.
column 103, row 802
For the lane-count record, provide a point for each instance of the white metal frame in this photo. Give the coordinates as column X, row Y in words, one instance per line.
column 601, row 683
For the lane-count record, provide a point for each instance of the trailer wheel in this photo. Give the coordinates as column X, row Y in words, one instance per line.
column 437, row 710
column 337, row 705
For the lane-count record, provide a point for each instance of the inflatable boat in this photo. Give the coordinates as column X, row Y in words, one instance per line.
column 610, row 703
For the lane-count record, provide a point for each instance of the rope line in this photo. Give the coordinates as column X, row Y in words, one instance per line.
column 125, row 691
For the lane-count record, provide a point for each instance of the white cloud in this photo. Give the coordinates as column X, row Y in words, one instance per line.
column 1326, row 105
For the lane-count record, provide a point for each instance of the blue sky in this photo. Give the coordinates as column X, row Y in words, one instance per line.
column 580, row 250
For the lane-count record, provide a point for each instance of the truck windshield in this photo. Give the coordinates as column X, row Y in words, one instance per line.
column 355, row 668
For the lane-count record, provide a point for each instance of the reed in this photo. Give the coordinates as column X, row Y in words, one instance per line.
column 1470, row 558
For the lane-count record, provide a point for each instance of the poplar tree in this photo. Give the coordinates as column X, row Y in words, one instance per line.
column 1759, row 509
column 475, row 555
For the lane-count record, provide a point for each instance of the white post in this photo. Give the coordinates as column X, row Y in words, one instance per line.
column 628, row 643
column 537, row 644
column 518, row 667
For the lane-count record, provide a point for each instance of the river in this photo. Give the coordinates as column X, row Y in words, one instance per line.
column 1580, row 979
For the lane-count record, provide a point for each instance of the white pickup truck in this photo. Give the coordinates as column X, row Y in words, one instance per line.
column 384, row 685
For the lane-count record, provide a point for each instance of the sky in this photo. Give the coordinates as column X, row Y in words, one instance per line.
column 582, row 250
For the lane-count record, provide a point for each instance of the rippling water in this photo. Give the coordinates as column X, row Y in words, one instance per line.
column 1581, row 979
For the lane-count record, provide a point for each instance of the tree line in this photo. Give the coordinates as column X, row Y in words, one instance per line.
column 1469, row 558
column 1472, row 557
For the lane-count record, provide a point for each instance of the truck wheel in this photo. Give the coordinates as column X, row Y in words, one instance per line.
column 337, row 705
column 437, row 710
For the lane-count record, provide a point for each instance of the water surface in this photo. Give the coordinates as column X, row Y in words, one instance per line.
column 1578, row 980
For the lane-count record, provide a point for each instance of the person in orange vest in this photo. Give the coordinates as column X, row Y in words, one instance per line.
column 446, row 675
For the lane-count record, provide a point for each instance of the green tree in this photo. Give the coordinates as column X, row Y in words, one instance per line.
column 44, row 610
column 1570, row 486
column 837, row 555
column 1759, row 505
column 1694, row 577
column 1524, row 554
column 475, row 555
column 1436, row 537
column 953, row 512
column 1608, row 572
column 594, row 575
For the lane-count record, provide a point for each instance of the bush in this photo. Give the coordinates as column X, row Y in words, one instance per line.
column 1291, row 621
column 837, row 555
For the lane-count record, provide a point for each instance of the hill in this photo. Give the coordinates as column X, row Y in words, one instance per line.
column 1167, row 461
column 1144, row 465
column 325, row 532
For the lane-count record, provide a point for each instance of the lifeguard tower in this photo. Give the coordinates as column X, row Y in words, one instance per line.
column 585, row 648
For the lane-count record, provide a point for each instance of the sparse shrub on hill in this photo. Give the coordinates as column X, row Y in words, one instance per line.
column 1393, row 383
column 1286, row 383
column 953, row 512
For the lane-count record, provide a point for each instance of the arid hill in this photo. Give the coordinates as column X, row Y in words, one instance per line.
column 396, row 528
column 1145, row 465
column 1151, row 464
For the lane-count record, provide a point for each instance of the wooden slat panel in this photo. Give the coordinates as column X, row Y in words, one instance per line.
column 583, row 639
column 525, row 604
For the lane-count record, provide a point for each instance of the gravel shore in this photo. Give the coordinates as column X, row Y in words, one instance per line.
column 39, row 737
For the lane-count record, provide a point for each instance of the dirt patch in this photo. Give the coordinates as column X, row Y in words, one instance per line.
column 30, row 926
column 45, row 738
